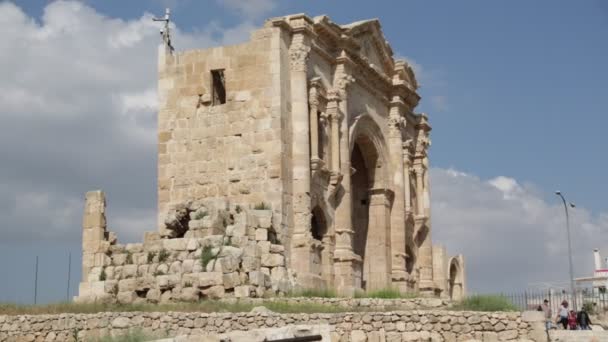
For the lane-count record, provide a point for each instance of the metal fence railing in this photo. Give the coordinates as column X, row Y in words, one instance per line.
column 531, row 300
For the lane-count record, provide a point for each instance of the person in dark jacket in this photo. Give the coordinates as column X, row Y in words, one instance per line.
column 583, row 320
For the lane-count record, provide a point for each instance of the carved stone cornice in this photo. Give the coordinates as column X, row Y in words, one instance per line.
column 298, row 57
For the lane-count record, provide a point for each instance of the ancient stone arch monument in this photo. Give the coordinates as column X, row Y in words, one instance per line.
column 311, row 125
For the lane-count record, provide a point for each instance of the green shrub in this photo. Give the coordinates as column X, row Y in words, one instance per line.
column 151, row 256
column 485, row 303
column 206, row 256
column 261, row 206
column 103, row 276
column 163, row 255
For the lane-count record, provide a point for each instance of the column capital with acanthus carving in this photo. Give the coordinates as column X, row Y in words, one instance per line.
column 298, row 56
column 396, row 124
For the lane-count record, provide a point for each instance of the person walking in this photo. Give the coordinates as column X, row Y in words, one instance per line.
column 572, row 324
column 583, row 320
column 562, row 316
column 546, row 309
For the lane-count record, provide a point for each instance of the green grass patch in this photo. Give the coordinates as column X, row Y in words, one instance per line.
column 208, row 306
column 314, row 293
column 387, row 293
column 485, row 303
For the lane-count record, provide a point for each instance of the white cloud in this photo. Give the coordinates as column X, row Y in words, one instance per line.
column 78, row 112
column 510, row 235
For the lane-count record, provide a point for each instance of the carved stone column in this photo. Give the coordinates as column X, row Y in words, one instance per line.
column 301, row 238
column 423, row 228
column 313, row 118
column 333, row 113
column 419, row 172
column 397, row 215
column 377, row 272
column 346, row 262
column 407, row 163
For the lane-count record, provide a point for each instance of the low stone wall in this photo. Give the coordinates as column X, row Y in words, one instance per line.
column 415, row 325
column 357, row 304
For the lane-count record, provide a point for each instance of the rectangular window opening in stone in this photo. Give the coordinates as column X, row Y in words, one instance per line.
column 218, row 86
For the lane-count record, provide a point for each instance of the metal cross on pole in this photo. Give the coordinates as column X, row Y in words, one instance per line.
column 164, row 31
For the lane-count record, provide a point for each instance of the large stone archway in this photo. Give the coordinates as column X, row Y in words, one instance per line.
column 371, row 205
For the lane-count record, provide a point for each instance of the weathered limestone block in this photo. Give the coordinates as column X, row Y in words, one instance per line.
column 166, row 297
column 126, row 297
column 127, row 285
column 263, row 247
column 134, row 247
column 206, row 279
column 231, row 280
column 272, row 260
column 119, row 259
column 188, row 265
column 142, row 270
column 129, row 271
column 167, row 281
column 153, row 295
column 162, row 269
column 190, row 294
column 276, row 248
column 251, row 264
column 214, row 292
column 212, row 241
column 261, row 234
column 358, row 336
column 242, row 291
column 507, row 335
column 121, row 322
column 258, row 278
column 175, row 268
column 260, row 218
column 177, row 244
column 192, row 244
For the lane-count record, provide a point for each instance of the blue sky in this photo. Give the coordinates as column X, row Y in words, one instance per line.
column 515, row 92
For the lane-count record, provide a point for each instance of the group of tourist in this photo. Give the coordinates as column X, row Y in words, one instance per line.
column 568, row 318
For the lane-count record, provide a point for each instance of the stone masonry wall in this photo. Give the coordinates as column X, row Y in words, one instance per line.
column 356, row 327
column 216, row 150
column 226, row 251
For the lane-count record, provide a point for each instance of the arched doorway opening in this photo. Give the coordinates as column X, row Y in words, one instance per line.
column 455, row 280
column 370, row 210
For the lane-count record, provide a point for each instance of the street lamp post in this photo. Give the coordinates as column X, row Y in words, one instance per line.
column 558, row 193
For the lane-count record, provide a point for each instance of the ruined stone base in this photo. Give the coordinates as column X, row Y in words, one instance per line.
column 210, row 250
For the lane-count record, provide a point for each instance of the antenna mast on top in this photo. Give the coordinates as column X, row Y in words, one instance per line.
column 164, row 31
